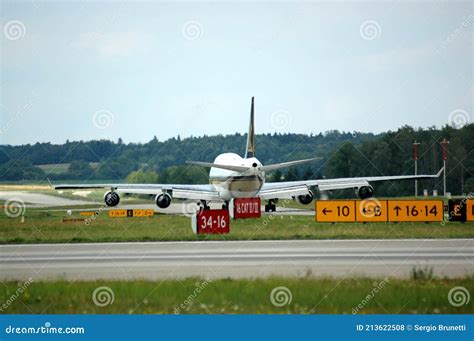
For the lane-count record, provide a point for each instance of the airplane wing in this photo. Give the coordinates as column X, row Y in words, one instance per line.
column 199, row 192
column 294, row 188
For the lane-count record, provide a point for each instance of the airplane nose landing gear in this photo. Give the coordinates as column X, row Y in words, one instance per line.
column 225, row 205
column 203, row 205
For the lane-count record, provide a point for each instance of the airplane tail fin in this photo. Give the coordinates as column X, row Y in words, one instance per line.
column 250, row 150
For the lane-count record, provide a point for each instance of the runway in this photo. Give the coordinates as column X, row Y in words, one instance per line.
column 235, row 259
column 41, row 200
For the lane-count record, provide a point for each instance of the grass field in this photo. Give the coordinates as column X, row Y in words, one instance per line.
column 41, row 226
column 198, row 296
column 46, row 226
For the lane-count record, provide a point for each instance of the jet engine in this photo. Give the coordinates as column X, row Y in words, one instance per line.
column 111, row 198
column 306, row 199
column 365, row 192
column 163, row 200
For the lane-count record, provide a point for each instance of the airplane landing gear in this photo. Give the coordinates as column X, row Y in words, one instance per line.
column 270, row 205
column 225, row 205
column 203, row 205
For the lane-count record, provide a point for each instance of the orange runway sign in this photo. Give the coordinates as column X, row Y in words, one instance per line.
column 415, row 210
column 87, row 213
column 335, row 211
column 374, row 210
column 131, row 213
column 371, row 210
column 470, row 210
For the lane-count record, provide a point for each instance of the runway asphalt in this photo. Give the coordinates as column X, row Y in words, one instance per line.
column 40, row 199
column 235, row 259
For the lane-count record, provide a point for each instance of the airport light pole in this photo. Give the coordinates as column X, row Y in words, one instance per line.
column 445, row 155
column 415, row 157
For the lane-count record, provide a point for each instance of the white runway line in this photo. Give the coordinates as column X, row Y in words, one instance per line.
column 236, row 259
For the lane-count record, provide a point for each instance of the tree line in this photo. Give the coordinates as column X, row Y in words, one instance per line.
column 341, row 154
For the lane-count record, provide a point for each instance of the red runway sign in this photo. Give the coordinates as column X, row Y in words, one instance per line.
column 246, row 208
column 211, row 222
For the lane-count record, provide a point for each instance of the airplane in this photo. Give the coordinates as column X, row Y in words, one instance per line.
column 232, row 176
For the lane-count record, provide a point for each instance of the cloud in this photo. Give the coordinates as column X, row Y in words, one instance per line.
column 404, row 56
column 110, row 44
column 343, row 108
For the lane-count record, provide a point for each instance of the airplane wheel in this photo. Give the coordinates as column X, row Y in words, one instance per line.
column 273, row 208
column 267, row 209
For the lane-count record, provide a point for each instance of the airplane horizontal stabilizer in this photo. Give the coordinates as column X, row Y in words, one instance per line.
column 216, row 165
column 269, row 168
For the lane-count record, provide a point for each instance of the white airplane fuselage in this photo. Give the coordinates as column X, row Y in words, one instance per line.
column 233, row 184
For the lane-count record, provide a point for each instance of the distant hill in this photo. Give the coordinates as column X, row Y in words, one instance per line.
column 116, row 159
column 343, row 154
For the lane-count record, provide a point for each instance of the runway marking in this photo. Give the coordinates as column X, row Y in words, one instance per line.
column 296, row 241
column 235, row 259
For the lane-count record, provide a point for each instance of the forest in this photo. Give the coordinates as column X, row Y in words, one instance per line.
column 341, row 154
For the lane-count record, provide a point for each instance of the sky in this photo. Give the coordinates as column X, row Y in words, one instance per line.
column 83, row 70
